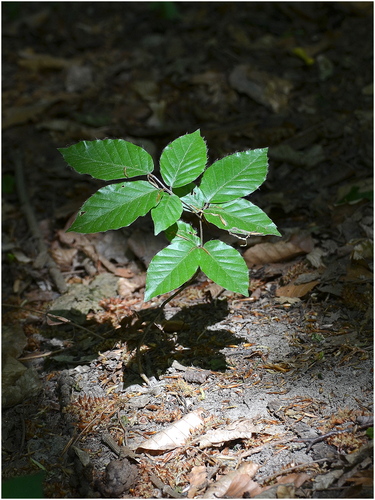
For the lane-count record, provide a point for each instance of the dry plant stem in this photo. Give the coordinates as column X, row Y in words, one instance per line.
column 318, row 439
column 157, row 317
column 293, row 469
column 28, row 211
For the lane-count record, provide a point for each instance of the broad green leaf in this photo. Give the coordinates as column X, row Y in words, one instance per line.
column 167, row 212
column 184, row 190
column 115, row 206
column 182, row 230
column 108, row 159
column 234, row 176
column 241, row 217
column 183, row 160
column 195, row 200
column 225, row 266
column 171, row 268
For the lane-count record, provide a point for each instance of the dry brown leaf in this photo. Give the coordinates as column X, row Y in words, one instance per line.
column 241, row 429
column 240, row 479
column 239, row 485
column 364, row 477
column 252, row 490
column 297, row 478
column 264, row 253
column 37, row 62
column 286, row 491
column 90, row 245
column 265, row 88
column 18, row 115
column 125, row 287
column 63, row 256
column 175, row 435
column 123, row 272
column 197, row 480
column 298, row 291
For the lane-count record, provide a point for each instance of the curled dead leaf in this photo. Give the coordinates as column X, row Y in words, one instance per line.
column 264, row 253
column 197, row 480
column 175, row 435
column 241, row 429
column 292, row 290
column 236, row 481
column 126, row 287
column 63, row 256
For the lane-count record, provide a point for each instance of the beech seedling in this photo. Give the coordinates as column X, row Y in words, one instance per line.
column 215, row 194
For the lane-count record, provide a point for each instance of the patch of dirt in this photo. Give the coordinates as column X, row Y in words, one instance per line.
column 224, row 396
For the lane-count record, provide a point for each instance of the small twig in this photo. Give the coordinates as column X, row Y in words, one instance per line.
column 292, row 469
column 76, row 437
column 120, row 451
column 317, row 439
column 28, row 211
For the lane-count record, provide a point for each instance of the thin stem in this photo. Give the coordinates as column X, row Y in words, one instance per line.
column 201, row 230
column 157, row 181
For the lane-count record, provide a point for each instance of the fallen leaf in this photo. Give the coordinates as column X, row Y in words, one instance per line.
column 241, row 429
column 19, row 115
column 37, row 62
column 264, row 253
column 286, row 491
column 63, row 256
column 292, row 290
column 174, row 436
column 296, row 478
column 123, row 272
column 125, row 287
column 197, row 480
column 265, row 88
column 238, row 480
column 239, row 485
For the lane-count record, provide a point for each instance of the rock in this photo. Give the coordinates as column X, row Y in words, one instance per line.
column 18, row 382
column 120, row 476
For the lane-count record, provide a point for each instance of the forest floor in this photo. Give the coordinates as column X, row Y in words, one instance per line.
column 265, row 397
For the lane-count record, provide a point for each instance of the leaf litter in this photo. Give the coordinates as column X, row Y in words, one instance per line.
column 296, row 368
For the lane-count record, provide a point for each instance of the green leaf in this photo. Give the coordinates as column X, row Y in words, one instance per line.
column 167, row 212
column 184, row 190
column 241, row 217
column 235, row 176
column 171, row 268
column 183, row 160
column 115, row 206
column 184, row 231
column 195, row 200
column 225, row 266
column 108, row 159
